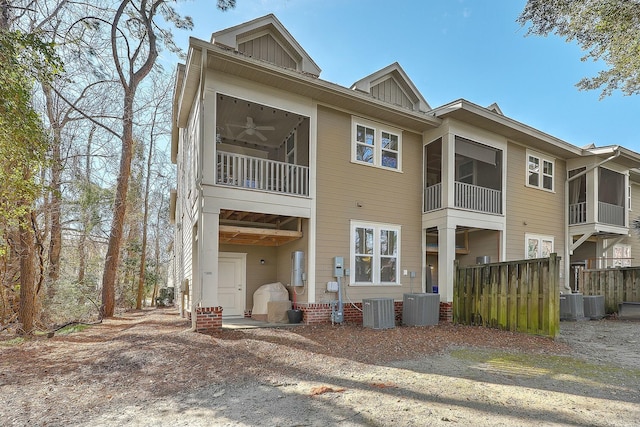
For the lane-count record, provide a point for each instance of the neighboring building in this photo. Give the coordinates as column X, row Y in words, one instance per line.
column 272, row 160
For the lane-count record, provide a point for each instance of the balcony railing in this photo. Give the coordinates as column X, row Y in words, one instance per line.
column 467, row 196
column 433, row 197
column 479, row 199
column 610, row 214
column 241, row 171
column 578, row 213
column 607, row 213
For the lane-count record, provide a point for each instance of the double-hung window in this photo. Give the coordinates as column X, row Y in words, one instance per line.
column 376, row 145
column 540, row 171
column 375, row 253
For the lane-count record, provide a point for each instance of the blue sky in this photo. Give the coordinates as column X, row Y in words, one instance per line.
column 451, row 49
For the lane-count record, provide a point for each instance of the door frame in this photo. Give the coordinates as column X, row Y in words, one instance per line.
column 243, row 275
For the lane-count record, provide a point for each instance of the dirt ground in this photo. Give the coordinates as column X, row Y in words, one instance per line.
column 146, row 368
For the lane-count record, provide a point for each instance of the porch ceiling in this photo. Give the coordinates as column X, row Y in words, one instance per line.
column 251, row 228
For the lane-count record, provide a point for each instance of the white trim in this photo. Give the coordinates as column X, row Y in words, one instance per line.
column 375, row 255
column 377, row 148
column 541, row 159
column 539, row 248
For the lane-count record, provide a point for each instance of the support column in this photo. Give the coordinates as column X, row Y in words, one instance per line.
column 210, row 230
column 446, row 256
column 448, row 170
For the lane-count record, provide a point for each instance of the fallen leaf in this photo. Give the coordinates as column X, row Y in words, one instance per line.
column 315, row 391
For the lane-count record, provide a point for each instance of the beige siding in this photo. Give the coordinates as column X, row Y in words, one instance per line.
column 385, row 197
column 530, row 210
column 389, row 91
column 276, row 267
column 268, row 49
column 284, row 262
column 481, row 243
column 257, row 274
column 634, row 214
column 187, row 260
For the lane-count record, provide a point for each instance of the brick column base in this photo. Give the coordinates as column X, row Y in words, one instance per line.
column 446, row 312
column 208, row 319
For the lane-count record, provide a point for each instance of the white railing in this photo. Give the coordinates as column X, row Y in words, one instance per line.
column 433, row 197
column 467, row 196
column 477, row 198
column 261, row 174
column 610, row 214
column 578, row 213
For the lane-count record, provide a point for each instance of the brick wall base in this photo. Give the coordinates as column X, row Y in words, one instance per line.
column 321, row 313
column 208, row 319
column 352, row 313
column 446, row 312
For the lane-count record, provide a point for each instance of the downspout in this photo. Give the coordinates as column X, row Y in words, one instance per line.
column 200, row 200
column 568, row 240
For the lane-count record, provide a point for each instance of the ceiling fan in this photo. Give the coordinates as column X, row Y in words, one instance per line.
column 251, row 129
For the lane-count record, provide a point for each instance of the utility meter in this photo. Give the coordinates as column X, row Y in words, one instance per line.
column 338, row 266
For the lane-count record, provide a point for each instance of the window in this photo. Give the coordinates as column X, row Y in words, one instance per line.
column 539, row 171
column 622, row 255
column 375, row 254
column 538, row 246
column 376, row 146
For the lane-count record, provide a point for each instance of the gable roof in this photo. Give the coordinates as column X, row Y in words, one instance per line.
column 393, row 85
column 495, row 108
column 270, row 27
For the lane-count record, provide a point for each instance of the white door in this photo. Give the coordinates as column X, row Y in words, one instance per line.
column 231, row 283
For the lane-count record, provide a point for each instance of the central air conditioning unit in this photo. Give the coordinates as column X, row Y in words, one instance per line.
column 571, row 307
column 420, row 309
column 378, row 313
column 594, row 307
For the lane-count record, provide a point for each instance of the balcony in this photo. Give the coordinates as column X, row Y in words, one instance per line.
column 578, row 213
column 240, row 171
column 610, row 214
column 607, row 214
column 466, row 196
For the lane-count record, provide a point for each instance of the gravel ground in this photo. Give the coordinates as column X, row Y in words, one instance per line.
column 146, row 368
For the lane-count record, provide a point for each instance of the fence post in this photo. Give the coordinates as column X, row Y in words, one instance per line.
column 457, row 291
column 553, row 298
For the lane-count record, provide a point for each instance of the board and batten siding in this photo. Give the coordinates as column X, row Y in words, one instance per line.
column 385, row 196
column 531, row 210
column 390, row 92
column 268, row 49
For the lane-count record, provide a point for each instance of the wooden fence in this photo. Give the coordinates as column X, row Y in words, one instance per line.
column 616, row 284
column 522, row 296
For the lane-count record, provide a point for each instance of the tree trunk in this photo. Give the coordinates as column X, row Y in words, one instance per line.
column 26, row 313
column 129, row 80
column 55, row 242
column 145, row 216
column 120, row 206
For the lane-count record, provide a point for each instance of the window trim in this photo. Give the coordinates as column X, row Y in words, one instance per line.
column 377, row 147
column 542, row 159
column 540, row 238
column 625, row 259
column 377, row 228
